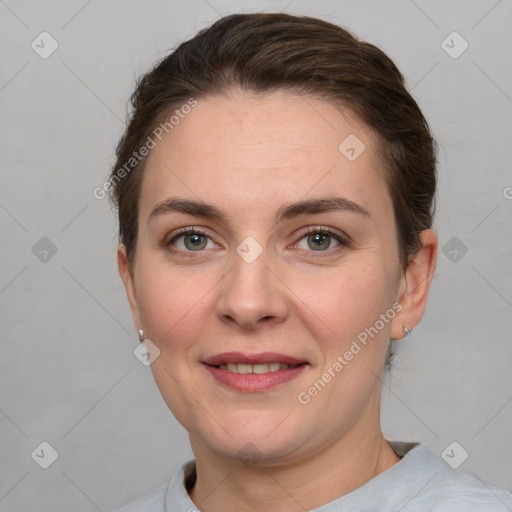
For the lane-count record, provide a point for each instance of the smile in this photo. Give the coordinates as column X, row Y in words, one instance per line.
column 258, row 369
column 253, row 372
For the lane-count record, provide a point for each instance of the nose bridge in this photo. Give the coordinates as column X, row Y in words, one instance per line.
column 251, row 291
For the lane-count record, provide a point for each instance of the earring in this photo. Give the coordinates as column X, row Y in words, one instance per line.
column 407, row 331
column 141, row 335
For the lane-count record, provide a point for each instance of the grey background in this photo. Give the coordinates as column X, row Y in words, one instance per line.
column 68, row 374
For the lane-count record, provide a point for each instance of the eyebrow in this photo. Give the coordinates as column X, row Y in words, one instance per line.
column 288, row 211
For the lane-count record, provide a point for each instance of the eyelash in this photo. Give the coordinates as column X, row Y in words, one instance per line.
column 343, row 241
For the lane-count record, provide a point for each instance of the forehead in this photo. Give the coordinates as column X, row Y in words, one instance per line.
column 246, row 151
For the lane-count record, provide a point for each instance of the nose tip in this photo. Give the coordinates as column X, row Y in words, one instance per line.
column 251, row 295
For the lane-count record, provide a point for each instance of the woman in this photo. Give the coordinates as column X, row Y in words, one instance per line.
column 275, row 191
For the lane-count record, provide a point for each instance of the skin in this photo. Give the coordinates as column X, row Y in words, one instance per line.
column 249, row 156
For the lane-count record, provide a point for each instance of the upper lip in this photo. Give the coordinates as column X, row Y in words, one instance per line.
column 262, row 358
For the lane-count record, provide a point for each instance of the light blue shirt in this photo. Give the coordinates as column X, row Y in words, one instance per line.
column 419, row 482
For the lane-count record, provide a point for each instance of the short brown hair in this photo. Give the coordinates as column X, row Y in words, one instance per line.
column 265, row 52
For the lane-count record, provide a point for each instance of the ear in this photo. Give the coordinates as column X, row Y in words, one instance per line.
column 125, row 271
column 415, row 284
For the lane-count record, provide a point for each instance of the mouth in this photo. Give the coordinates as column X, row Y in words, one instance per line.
column 258, row 369
column 256, row 372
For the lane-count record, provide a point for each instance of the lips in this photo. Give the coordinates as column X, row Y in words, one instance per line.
column 253, row 372
column 262, row 358
column 252, row 359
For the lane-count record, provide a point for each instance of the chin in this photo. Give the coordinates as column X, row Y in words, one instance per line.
column 256, row 443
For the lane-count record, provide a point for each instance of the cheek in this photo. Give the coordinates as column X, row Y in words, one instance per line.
column 346, row 301
column 172, row 302
column 174, row 305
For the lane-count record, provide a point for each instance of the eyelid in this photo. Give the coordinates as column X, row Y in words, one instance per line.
column 327, row 230
column 188, row 230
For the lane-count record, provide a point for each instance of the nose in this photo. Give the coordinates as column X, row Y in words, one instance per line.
column 252, row 295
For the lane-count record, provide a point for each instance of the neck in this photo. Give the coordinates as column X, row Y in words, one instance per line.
column 228, row 486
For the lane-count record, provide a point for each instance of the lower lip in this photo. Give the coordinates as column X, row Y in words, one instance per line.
column 252, row 382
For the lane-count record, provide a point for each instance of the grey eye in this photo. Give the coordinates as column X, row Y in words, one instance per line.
column 319, row 241
column 192, row 240
column 195, row 242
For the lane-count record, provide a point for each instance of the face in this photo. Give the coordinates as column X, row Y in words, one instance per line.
column 259, row 302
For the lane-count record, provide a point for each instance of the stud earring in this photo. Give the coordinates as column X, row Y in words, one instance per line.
column 407, row 331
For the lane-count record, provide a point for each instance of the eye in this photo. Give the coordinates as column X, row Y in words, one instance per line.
column 322, row 239
column 317, row 239
column 189, row 239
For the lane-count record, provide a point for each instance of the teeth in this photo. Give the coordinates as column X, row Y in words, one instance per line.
column 244, row 368
column 257, row 369
column 260, row 368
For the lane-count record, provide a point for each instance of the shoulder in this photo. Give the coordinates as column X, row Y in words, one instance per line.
column 454, row 490
column 443, row 489
column 153, row 501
